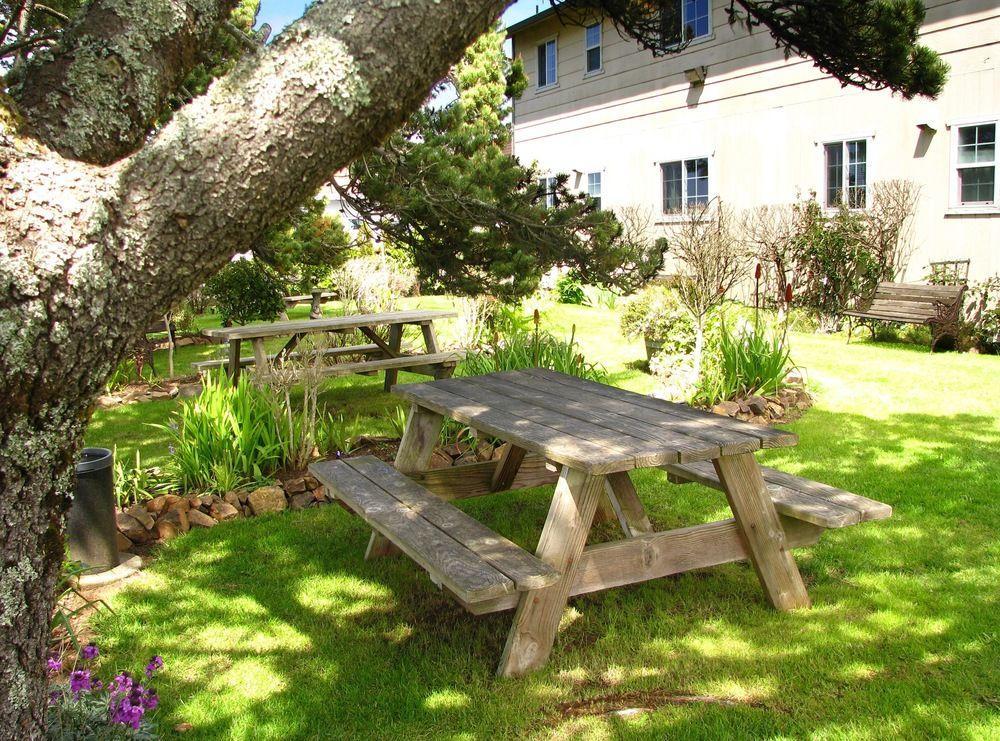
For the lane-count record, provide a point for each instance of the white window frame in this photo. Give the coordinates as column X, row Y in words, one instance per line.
column 549, row 85
column 600, row 186
column 954, row 200
column 600, row 47
column 685, row 213
column 695, row 39
column 869, row 140
column 550, row 181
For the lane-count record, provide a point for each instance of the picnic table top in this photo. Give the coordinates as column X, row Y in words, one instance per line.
column 587, row 425
column 305, row 326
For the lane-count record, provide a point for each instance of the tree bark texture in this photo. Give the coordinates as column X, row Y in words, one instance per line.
column 89, row 254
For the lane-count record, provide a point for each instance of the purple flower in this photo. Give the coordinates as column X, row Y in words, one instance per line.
column 90, row 652
column 55, row 696
column 154, row 664
column 54, row 665
column 80, row 681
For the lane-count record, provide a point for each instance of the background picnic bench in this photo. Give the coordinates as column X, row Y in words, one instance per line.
column 938, row 306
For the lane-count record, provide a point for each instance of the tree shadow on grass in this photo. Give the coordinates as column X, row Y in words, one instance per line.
column 276, row 627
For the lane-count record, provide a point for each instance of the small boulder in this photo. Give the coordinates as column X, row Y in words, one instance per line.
column 142, row 515
column 726, row 408
column 222, row 511
column 295, row 486
column 758, row 405
column 166, row 530
column 439, row 459
column 132, row 528
column 124, row 544
column 775, row 409
column 177, row 517
column 311, row 482
column 181, row 505
column 267, row 499
column 161, row 503
column 233, row 498
column 301, row 500
column 499, row 450
column 197, row 518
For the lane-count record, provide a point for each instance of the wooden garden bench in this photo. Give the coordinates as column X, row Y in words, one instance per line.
column 316, row 299
column 794, row 496
column 459, row 553
column 938, row 306
column 330, row 352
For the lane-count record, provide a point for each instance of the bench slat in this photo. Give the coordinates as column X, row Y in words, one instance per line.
column 412, row 362
column 794, row 496
column 450, row 563
column 524, row 569
column 330, row 352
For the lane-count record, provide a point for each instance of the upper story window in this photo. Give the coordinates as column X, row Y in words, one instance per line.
column 547, row 63
column 976, row 165
column 687, row 21
column 547, row 187
column 685, row 185
column 845, row 173
column 594, row 188
column 593, row 48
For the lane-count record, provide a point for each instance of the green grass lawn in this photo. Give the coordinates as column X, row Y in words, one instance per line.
column 276, row 628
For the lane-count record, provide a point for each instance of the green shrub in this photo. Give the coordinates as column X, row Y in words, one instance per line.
column 338, row 435
column 753, row 360
column 656, row 313
column 227, row 437
column 570, row 290
column 983, row 313
column 534, row 349
column 245, row 291
column 135, row 483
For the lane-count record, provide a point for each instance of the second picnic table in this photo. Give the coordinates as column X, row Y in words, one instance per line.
column 378, row 354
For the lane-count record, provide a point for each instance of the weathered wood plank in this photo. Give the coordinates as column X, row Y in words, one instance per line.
column 404, row 362
column 329, row 352
column 449, row 563
column 521, row 567
column 630, row 509
column 590, row 410
column 475, row 479
column 536, row 620
column 644, row 452
column 561, row 447
column 761, row 530
column 656, row 555
column 340, row 323
column 507, row 468
column 392, row 350
column 663, row 425
column 769, row 437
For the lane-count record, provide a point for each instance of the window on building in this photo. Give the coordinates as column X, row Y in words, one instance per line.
column 685, row 185
column 686, row 20
column 976, row 164
column 593, row 47
column 547, row 63
column 547, row 186
column 845, row 167
column 594, row 188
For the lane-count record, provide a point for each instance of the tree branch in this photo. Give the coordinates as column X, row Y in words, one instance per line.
column 96, row 96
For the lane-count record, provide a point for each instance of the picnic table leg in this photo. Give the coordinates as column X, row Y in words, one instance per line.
column 233, row 368
column 260, row 357
column 536, row 620
column 423, row 429
column 625, row 504
column 507, row 468
column 761, row 530
column 395, row 344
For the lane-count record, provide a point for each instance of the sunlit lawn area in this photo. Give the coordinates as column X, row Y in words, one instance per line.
column 275, row 627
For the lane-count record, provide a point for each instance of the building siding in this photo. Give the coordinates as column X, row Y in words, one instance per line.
column 762, row 120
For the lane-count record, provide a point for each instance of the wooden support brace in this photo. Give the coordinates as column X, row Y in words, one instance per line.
column 507, row 468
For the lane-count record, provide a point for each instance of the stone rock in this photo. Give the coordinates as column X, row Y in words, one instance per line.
column 222, row 511
column 758, row 420
column 166, row 530
column 267, row 499
column 181, row 505
column 466, row 458
column 294, row 486
column 319, row 495
column 726, row 408
column 161, row 503
column 132, row 528
column 499, row 450
column 301, row 500
column 183, row 727
column 142, row 515
column 124, row 544
column 194, row 502
column 758, row 405
column 484, row 452
column 775, row 409
column 311, row 482
column 440, row 459
column 233, row 498
column 197, row 518
column 744, row 409
column 176, row 517
column 454, row 450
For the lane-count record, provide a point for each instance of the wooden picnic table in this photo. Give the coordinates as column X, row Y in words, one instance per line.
column 596, row 434
column 584, row 437
column 377, row 355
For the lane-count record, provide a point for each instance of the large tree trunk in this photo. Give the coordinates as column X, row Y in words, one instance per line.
column 89, row 255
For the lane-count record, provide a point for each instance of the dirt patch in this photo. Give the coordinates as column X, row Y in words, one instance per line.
column 626, row 704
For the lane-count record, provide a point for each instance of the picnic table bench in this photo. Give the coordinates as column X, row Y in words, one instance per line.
column 938, row 306
column 316, row 299
column 376, row 355
column 584, row 437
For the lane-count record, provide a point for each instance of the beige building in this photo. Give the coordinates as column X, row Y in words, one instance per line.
column 730, row 117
